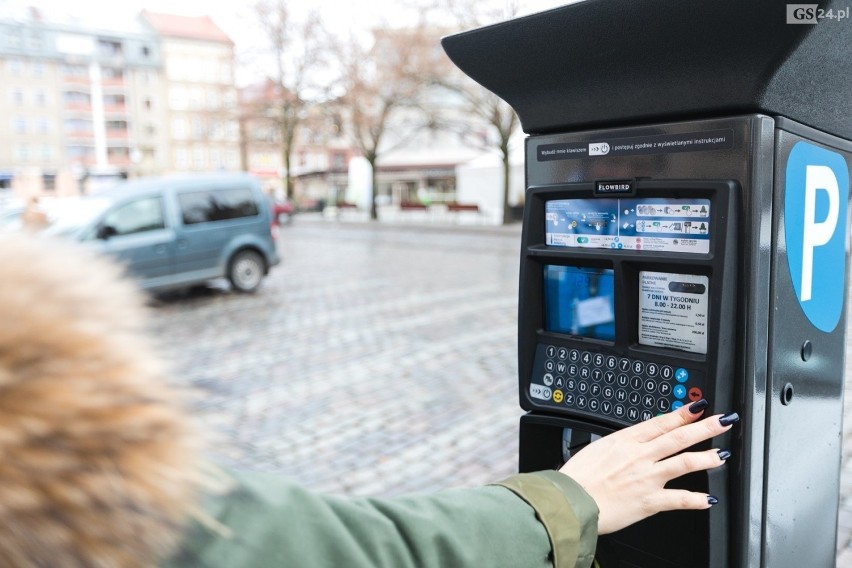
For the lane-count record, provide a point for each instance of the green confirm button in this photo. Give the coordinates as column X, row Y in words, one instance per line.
column 582, row 239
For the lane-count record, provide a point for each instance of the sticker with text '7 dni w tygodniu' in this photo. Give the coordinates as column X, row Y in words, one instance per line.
column 815, row 202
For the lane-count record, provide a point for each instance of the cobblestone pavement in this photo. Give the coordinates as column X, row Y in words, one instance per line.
column 374, row 360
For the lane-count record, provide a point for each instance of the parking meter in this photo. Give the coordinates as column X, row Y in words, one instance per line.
column 685, row 236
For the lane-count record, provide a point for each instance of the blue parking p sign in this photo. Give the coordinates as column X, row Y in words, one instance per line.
column 815, row 202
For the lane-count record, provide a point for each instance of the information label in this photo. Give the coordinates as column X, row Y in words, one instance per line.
column 655, row 224
column 673, row 311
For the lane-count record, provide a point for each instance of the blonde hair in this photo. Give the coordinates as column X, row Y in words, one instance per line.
column 98, row 459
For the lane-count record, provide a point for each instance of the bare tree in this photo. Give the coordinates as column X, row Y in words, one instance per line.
column 299, row 50
column 491, row 110
column 384, row 87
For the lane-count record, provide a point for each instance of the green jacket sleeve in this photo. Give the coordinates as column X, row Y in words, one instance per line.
column 266, row 521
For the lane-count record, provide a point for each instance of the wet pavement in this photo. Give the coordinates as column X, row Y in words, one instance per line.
column 375, row 360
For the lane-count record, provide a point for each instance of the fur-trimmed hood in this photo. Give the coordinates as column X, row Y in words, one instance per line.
column 97, row 457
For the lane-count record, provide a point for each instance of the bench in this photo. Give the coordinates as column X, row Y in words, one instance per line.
column 469, row 210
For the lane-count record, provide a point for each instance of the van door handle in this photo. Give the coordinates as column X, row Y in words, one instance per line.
column 181, row 244
column 160, row 249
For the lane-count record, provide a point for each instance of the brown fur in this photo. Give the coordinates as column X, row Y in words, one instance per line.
column 97, row 458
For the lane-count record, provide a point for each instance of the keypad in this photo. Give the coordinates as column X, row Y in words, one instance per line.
column 621, row 389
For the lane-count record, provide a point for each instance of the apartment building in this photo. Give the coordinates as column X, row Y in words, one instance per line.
column 81, row 107
column 201, row 118
column 66, row 112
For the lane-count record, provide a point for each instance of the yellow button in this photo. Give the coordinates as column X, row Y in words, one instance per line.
column 557, row 396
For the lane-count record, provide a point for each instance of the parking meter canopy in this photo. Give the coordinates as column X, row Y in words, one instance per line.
column 603, row 62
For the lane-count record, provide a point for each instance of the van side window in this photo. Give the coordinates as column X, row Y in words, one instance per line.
column 137, row 216
column 204, row 206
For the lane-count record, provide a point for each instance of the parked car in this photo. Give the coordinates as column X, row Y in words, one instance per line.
column 282, row 210
column 176, row 232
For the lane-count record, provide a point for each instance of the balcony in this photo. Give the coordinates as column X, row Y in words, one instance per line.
column 76, row 80
column 113, row 83
column 80, row 135
column 78, row 107
column 118, row 134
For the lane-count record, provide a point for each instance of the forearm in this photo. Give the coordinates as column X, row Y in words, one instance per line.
column 274, row 522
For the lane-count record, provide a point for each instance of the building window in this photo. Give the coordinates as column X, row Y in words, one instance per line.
column 148, row 104
column 338, row 160
column 199, row 132
column 38, row 69
column 40, row 97
column 112, row 73
column 146, row 52
column 232, row 130
column 43, row 125
column 179, row 128
column 225, row 74
column 79, row 152
column 20, row 125
column 198, row 158
column 114, row 100
column 109, row 48
column 196, row 98
column 69, row 70
column 17, row 97
column 48, row 182
column 177, row 98
column 15, row 66
column 15, row 39
column 232, row 159
column 78, row 125
column 181, row 159
column 214, row 101
column 76, row 98
column 22, row 153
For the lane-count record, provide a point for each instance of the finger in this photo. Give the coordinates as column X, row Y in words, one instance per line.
column 689, row 462
column 679, row 499
column 659, row 425
column 682, row 438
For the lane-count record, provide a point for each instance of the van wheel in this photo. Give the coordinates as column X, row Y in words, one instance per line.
column 246, row 271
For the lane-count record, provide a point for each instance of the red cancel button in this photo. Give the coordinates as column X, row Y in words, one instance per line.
column 695, row 394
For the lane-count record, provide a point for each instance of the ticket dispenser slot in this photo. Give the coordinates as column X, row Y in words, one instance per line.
column 627, row 310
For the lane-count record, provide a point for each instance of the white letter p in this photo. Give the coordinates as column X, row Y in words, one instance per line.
column 817, row 234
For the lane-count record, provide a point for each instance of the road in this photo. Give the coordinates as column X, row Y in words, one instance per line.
column 372, row 361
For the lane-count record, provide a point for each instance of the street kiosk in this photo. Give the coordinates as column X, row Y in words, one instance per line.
column 685, row 236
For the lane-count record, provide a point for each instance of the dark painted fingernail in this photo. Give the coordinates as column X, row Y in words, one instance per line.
column 698, row 406
column 729, row 419
column 712, row 500
column 724, row 454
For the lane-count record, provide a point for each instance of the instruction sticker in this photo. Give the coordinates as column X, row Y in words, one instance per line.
column 673, row 311
column 649, row 224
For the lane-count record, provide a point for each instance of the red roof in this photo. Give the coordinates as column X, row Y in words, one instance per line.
column 186, row 27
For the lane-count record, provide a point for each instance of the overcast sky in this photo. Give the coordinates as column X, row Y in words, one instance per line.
column 235, row 17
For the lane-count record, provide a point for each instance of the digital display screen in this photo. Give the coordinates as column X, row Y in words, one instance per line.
column 579, row 301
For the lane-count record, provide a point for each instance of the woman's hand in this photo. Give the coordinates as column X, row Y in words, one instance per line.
column 625, row 472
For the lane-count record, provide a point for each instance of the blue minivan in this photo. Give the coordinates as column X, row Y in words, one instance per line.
column 175, row 232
